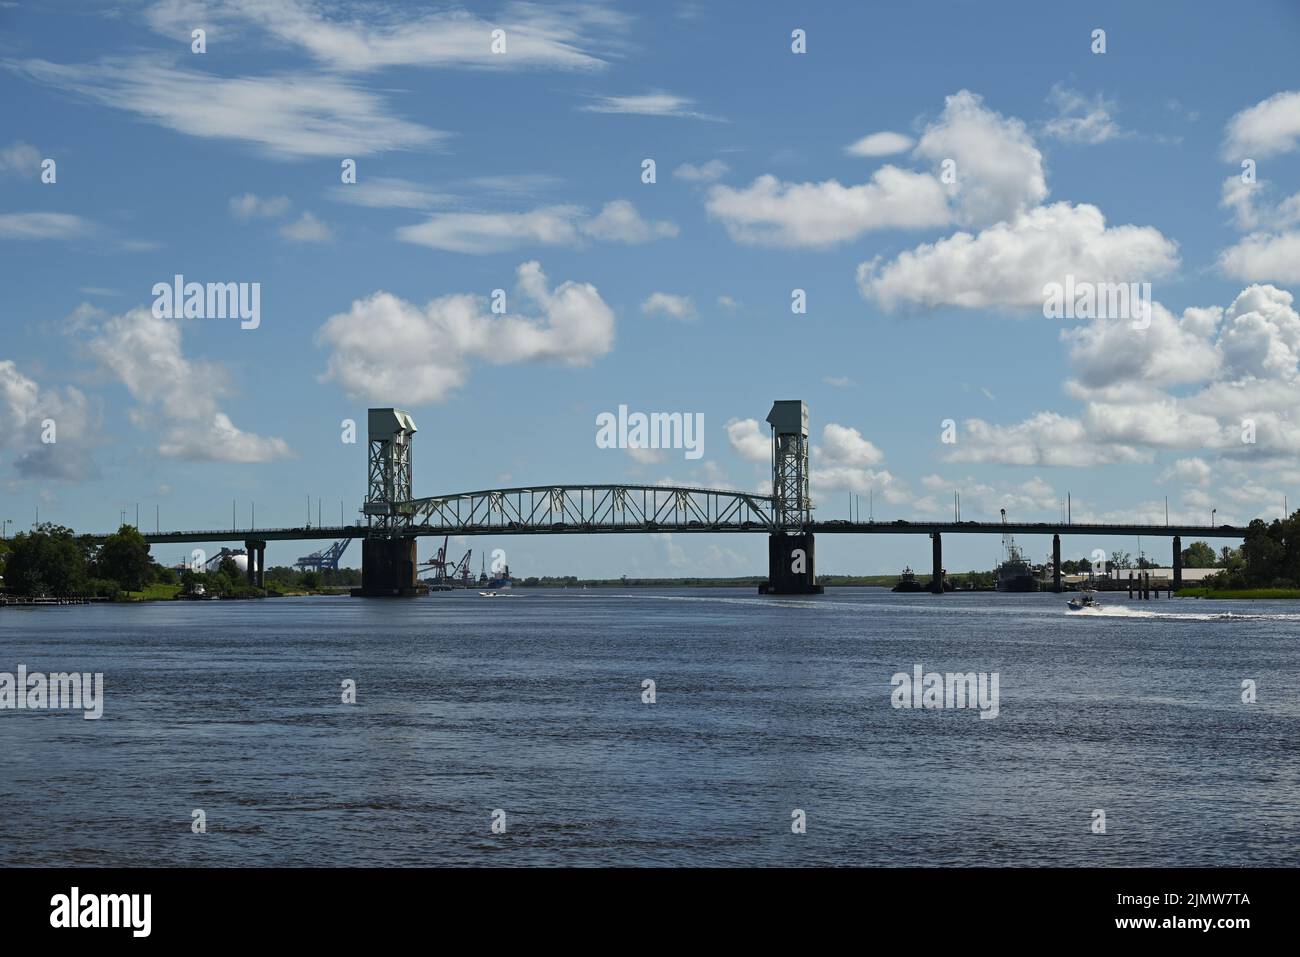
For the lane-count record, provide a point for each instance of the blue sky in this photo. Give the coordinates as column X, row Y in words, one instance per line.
column 523, row 171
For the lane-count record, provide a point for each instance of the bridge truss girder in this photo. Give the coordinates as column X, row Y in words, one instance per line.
column 590, row 508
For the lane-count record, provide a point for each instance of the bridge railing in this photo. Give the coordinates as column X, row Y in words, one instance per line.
column 592, row 508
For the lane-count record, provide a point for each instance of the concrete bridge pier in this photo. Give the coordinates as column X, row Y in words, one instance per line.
column 791, row 568
column 936, row 563
column 1178, row 563
column 1056, row 563
column 388, row 569
column 255, row 549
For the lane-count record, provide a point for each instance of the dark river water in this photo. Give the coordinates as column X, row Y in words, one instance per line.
column 532, row 705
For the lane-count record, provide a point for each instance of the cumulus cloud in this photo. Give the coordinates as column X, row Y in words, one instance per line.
column 670, row 305
column 770, row 212
column 1009, row 263
column 441, row 340
column 1268, row 128
column 880, row 144
column 618, row 221
column 843, row 462
column 999, row 170
column 1264, row 257
column 1232, row 367
column 25, row 408
column 749, row 440
column 307, row 229
column 1191, row 471
column 175, row 394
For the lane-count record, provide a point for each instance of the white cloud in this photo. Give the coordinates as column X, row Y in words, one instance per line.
column 618, row 221
column 1008, row 264
column 1193, row 471
column 285, row 116
column 19, row 157
column 27, row 226
column 251, row 206
column 839, row 382
column 771, row 212
column 880, row 144
column 390, row 192
column 667, row 304
column 307, row 229
column 1266, row 129
column 1232, row 365
column 749, row 440
column 1079, row 119
column 728, row 303
column 999, row 170
column 441, row 340
column 1045, row 438
column 845, row 446
column 24, row 409
column 537, row 36
column 1249, row 213
column 655, row 103
column 175, row 394
column 704, row 173
column 1263, row 257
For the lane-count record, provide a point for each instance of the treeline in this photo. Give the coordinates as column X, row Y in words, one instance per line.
column 1268, row 558
column 52, row 561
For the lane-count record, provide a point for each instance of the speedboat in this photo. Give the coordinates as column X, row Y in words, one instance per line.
column 1083, row 601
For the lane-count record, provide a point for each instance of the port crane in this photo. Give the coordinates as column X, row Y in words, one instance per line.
column 445, row 571
column 326, row 558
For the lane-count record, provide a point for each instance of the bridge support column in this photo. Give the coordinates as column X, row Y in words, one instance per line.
column 1056, row 563
column 388, row 569
column 791, row 569
column 936, row 563
column 1178, row 563
column 255, row 550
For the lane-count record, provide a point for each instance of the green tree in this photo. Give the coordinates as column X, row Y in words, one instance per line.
column 1121, row 560
column 48, row 561
column 124, row 558
column 1198, row 555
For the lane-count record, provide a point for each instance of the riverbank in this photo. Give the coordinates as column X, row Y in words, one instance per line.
column 1261, row 593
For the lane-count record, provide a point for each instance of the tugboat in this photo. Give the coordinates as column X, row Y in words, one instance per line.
column 1014, row 574
column 907, row 582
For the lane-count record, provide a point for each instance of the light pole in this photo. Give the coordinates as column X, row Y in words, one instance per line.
column 1213, row 511
column 4, row 527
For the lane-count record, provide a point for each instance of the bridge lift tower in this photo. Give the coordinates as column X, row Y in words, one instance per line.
column 388, row 557
column 790, row 566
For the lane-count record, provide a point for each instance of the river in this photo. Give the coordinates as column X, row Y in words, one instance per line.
column 533, row 705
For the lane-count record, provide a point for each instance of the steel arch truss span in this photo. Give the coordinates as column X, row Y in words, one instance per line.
column 591, row 508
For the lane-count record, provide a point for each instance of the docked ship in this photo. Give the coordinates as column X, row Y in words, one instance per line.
column 907, row 582
column 1014, row 574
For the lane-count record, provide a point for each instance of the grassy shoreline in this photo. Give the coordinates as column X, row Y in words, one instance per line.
column 1262, row 593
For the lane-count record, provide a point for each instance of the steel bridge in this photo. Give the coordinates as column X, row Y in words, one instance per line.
column 395, row 518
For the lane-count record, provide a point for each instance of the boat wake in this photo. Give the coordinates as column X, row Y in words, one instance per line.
column 1119, row 611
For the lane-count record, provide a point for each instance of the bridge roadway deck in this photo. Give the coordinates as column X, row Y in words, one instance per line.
column 833, row 527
